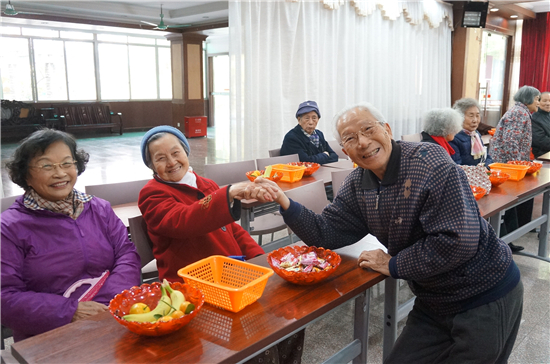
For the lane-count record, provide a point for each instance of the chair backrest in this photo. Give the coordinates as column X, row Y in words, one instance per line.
column 7, row 202
column 117, row 193
column 412, row 137
column 312, row 196
column 227, row 173
column 275, row 152
column 261, row 163
column 337, row 149
column 338, row 178
column 140, row 238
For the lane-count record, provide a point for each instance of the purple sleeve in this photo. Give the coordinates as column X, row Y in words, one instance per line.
column 28, row 312
column 126, row 271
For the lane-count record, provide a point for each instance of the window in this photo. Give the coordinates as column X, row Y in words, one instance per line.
column 49, row 64
column 165, row 73
column 80, row 70
column 143, row 72
column 113, row 71
column 41, row 32
column 15, row 68
column 77, row 35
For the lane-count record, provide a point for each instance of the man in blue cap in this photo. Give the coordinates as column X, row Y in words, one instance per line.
column 306, row 141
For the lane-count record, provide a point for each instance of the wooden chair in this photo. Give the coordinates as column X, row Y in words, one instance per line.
column 337, row 149
column 338, row 178
column 7, row 202
column 227, row 173
column 117, row 193
column 283, row 159
column 275, row 152
column 144, row 247
column 412, row 137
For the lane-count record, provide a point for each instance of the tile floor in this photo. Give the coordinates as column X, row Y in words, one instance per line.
column 118, row 159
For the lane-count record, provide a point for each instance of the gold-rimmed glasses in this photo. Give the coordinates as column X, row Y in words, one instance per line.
column 350, row 140
column 51, row 166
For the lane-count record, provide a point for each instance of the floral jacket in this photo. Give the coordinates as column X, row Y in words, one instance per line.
column 512, row 140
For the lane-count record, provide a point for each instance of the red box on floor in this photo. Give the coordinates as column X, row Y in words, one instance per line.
column 195, row 126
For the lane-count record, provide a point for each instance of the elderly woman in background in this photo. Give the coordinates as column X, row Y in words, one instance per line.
column 467, row 143
column 54, row 236
column 190, row 218
column 541, row 126
column 513, row 137
column 440, row 127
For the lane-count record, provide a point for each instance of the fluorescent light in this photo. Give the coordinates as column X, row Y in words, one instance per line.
column 494, row 9
column 513, row 16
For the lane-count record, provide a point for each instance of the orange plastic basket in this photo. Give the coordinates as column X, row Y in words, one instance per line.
column 290, row 173
column 226, row 282
column 516, row 172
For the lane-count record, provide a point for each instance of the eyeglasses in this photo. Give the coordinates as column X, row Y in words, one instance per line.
column 352, row 139
column 308, row 118
column 51, row 167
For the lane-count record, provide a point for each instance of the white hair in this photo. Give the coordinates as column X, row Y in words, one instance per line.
column 365, row 106
column 442, row 122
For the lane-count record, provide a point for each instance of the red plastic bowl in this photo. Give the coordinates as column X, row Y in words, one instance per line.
column 310, row 167
column 497, row 178
column 302, row 278
column 478, row 192
column 150, row 295
column 492, row 131
column 275, row 176
column 533, row 166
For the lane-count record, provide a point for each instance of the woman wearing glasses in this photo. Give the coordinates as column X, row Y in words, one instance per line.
column 54, row 236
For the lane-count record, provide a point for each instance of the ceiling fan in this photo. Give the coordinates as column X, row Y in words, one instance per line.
column 10, row 10
column 161, row 25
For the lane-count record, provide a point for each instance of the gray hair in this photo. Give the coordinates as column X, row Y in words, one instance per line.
column 526, row 95
column 365, row 106
column 157, row 136
column 442, row 122
column 464, row 104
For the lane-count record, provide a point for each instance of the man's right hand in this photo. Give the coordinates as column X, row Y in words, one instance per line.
column 281, row 198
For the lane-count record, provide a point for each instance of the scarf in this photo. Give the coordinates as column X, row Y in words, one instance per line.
column 313, row 138
column 72, row 205
column 477, row 150
column 444, row 143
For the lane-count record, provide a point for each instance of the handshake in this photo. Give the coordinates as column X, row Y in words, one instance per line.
column 261, row 189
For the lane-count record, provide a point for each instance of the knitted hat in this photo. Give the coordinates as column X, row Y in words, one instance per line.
column 163, row 129
column 308, row 106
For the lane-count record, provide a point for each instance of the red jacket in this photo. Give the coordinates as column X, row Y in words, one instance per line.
column 188, row 224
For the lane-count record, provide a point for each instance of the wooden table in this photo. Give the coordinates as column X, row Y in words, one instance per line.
column 545, row 157
column 126, row 211
column 342, row 164
column 215, row 335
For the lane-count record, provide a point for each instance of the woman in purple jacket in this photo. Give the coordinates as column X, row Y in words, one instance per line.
column 54, row 236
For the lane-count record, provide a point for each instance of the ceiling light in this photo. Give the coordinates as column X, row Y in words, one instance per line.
column 494, row 9
column 513, row 16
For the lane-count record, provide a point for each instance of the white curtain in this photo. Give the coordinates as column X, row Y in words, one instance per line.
column 396, row 56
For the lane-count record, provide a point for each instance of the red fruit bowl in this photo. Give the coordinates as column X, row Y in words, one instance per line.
column 303, row 278
column 150, row 295
column 275, row 176
column 497, row 178
column 533, row 166
column 478, row 192
column 310, row 167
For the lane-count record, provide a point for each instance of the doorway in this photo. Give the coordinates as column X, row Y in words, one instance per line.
column 494, row 48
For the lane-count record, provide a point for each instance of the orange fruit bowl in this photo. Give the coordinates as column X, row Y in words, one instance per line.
column 492, row 131
column 533, row 166
column 275, row 176
column 478, row 192
column 150, row 295
column 310, row 167
column 300, row 277
column 497, row 178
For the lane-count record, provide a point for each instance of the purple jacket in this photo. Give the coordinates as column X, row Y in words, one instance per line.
column 43, row 253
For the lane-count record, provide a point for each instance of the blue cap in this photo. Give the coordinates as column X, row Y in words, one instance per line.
column 306, row 107
column 163, row 129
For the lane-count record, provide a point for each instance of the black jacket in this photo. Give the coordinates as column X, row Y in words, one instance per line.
column 540, row 124
column 296, row 142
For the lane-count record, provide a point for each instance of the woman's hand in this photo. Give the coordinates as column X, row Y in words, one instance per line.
column 87, row 309
column 248, row 190
column 376, row 260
